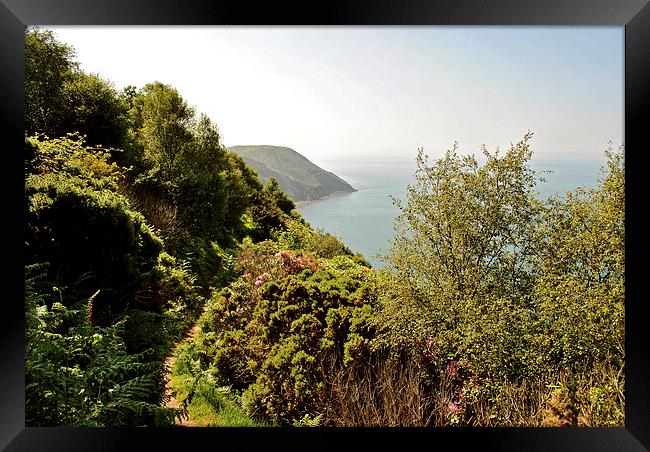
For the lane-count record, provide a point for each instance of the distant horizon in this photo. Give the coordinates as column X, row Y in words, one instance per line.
column 337, row 164
column 380, row 93
column 404, row 159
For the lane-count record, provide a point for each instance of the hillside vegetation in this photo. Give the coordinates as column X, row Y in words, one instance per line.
column 298, row 177
column 497, row 308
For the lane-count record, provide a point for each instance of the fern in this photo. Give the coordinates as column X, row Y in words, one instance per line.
column 82, row 375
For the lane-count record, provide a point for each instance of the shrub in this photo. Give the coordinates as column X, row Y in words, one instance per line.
column 268, row 332
column 297, row 235
column 175, row 289
column 213, row 264
column 84, row 229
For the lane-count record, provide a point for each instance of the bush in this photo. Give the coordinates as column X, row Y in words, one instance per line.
column 297, row 235
column 121, row 301
column 213, row 264
column 88, row 232
column 270, row 331
column 175, row 289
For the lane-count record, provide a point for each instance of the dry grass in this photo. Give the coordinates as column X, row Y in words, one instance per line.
column 160, row 213
column 394, row 392
column 386, row 392
column 596, row 399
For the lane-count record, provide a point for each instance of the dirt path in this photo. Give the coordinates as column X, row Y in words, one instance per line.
column 173, row 402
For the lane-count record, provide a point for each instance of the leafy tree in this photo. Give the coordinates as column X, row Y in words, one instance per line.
column 499, row 290
column 204, row 184
column 95, row 109
column 273, row 190
column 165, row 131
column 244, row 185
column 181, row 159
column 61, row 99
column 48, row 65
column 580, row 273
column 474, row 224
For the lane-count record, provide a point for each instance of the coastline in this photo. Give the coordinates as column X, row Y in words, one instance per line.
column 301, row 204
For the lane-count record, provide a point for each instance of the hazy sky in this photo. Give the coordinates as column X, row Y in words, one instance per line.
column 334, row 93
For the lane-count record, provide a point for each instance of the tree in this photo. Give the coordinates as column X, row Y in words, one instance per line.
column 61, row 99
column 503, row 290
column 472, row 222
column 580, row 273
column 273, row 190
column 462, row 253
column 180, row 158
column 48, row 65
column 95, row 109
column 165, row 132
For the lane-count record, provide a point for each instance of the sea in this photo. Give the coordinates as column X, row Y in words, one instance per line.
column 363, row 220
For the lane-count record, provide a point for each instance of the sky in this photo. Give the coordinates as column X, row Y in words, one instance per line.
column 379, row 93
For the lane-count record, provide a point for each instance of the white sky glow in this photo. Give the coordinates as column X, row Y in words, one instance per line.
column 379, row 93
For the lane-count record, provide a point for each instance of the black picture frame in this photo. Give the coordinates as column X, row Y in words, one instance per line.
column 634, row 15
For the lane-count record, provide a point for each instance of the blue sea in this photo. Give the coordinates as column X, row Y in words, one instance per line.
column 363, row 220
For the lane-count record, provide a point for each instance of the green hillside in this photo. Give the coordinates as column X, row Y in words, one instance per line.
column 298, row 177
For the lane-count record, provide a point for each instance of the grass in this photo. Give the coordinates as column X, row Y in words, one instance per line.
column 210, row 406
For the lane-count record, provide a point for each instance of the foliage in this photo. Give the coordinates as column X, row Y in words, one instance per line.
column 513, row 290
column 48, row 64
column 164, row 133
column 95, row 109
column 97, row 215
column 474, row 221
column 273, row 190
column 95, row 354
column 179, row 158
column 69, row 156
column 268, row 332
column 60, row 98
column 497, row 308
column 175, row 289
column 208, row 404
column 266, row 214
column 297, row 235
column 81, row 375
column 579, row 288
column 84, row 229
column 212, row 264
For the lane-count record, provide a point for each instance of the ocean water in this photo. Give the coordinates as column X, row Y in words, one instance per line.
column 363, row 220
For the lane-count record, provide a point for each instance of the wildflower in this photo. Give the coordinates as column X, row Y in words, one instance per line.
column 452, row 369
column 262, row 278
column 454, row 408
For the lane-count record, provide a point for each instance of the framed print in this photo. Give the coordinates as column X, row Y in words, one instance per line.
column 412, row 222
